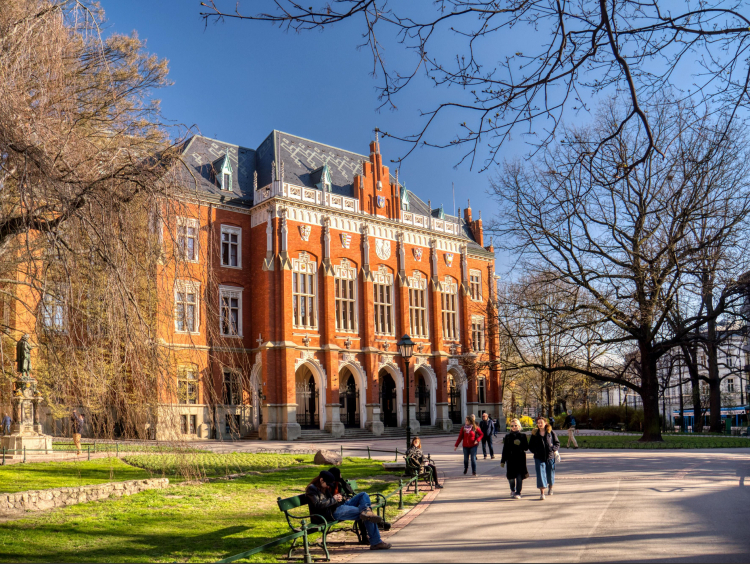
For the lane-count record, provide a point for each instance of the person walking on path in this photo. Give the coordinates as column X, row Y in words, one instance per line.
column 76, row 426
column 570, row 423
column 544, row 444
column 470, row 435
column 6, row 424
column 487, row 425
column 515, row 445
column 415, row 453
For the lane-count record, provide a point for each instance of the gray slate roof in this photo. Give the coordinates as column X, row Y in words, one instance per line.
column 302, row 160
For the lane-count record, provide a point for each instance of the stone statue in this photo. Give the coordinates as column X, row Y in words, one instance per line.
column 23, row 356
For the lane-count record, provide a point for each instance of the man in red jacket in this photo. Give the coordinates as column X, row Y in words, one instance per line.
column 470, row 435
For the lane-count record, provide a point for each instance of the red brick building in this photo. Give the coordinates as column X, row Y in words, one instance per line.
column 316, row 261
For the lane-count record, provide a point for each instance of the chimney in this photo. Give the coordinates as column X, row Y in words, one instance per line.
column 467, row 213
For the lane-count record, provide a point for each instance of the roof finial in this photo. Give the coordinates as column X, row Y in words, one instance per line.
column 480, row 214
column 282, row 171
column 396, row 178
column 469, row 201
column 429, row 205
column 377, row 135
column 273, row 171
column 255, row 180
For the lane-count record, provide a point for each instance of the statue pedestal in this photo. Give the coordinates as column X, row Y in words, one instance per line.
column 34, row 443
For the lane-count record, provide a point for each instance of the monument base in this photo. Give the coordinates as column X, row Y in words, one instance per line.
column 34, row 443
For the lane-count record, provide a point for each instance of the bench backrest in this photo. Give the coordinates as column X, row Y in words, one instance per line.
column 299, row 500
column 292, row 502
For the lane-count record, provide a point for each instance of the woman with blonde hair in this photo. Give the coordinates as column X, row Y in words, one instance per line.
column 470, row 434
column 515, row 445
column 544, row 444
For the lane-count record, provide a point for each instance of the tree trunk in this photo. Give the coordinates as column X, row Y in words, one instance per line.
column 697, row 409
column 714, row 384
column 649, row 395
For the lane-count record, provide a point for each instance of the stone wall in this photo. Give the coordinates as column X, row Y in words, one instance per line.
column 39, row 500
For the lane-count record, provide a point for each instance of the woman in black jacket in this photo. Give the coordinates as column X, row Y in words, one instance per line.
column 544, row 444
column 515, row 446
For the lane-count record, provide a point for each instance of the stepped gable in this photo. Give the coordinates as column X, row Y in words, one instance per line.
column 202, row 155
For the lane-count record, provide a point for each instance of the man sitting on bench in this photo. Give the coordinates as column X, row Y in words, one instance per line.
column 322, row 501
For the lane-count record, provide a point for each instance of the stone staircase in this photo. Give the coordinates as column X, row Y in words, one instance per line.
column 353, row 434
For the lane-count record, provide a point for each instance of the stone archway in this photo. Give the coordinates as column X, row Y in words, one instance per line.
column 392, row 370
column 356, row 371
column 426, row 372
column 255, row 384
column 461, row 385
column 311, row 399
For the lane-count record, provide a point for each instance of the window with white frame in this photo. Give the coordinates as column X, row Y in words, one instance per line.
column 730, row 385
column 187, row 238
column 53, row 311
column 477, row 333
column 449, row 302
column 418, row 324
column 304, row 292
column 187, row 385
column 345, row 283
column 231, row 238
column 230, row 298
column 186, row 302
column 382, row 289
column 475, row 284
column 482, row 389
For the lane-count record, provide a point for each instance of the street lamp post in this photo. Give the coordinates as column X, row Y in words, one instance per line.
column 405, row 348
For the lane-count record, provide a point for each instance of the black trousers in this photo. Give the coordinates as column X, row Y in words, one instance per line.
column 487, row 441
column 516, row 483
column 434, row 471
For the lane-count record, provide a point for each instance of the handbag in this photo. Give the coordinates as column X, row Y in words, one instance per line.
column 558, row 458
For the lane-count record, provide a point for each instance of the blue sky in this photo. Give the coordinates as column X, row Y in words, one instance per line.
column 236, row 81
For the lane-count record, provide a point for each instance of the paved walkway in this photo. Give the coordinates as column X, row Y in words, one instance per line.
column 664, row 506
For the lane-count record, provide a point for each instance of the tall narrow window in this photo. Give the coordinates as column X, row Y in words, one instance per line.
column 482, row 390
column 187, row 238
column 232, row 388
column 475, row 284
column 187, row 386
column 304, row 293
column 418, row 305
column 53, row 312
column 383, row 301
column 186, row 306
column 477, row 334
column 730, row 385
column 345, row 282
column 449, row 302
column 231, row 246
column 231, row 311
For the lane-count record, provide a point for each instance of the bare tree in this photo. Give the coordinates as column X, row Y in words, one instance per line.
column 493, row 88
column 621, row 236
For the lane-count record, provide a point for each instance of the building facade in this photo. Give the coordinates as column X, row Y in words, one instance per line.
column 301, row 266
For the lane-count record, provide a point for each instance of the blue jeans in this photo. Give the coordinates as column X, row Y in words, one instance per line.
column 545, row 473
column 350, row 511
column 473, row 452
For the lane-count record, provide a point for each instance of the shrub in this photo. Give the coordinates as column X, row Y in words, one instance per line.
column 526, row 421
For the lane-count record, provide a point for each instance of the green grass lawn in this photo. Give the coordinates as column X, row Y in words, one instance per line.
column 94, row 447
column 670, row 441
column 184, row 523
column 45, row 475
column 199, row 465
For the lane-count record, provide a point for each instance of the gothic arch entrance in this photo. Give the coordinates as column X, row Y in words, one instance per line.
column 422, row 394
column 388, row 404
column 454, row 401
column 349, row 399
column 308, row 397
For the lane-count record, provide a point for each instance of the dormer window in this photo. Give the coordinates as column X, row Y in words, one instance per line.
column 325, row 181
column 223, row 172
column 404, row 199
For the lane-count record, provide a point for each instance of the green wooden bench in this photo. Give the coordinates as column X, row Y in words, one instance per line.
column 296, row 521
column 414, row 468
